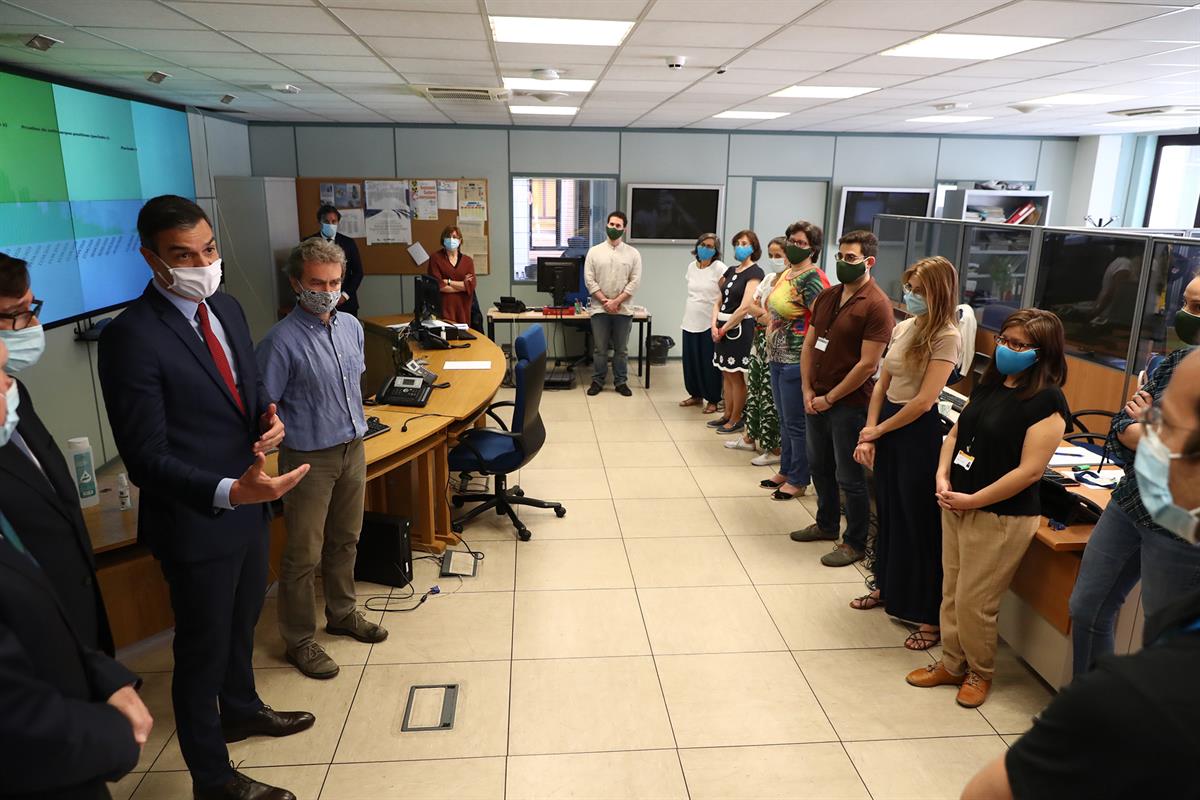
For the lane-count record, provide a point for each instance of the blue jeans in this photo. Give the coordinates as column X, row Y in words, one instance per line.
column 832, row 437
column 1112, row 563
column 1170, row 570
column 788, row 393
column 611, row 330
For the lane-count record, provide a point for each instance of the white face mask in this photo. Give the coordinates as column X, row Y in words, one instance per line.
column 195, row 283
column 9, row 424
column 25, row 347
column 777, row 264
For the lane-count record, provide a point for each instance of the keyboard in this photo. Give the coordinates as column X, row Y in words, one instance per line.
column 375, row 427
column 957, row 402
column 1059, row 478
column 458, row 333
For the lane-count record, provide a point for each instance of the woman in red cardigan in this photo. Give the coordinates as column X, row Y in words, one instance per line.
column 455, row 274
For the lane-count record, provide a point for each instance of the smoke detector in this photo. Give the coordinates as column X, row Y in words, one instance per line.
column 545, row 74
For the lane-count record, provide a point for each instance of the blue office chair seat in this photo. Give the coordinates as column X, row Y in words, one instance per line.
column 503, row 450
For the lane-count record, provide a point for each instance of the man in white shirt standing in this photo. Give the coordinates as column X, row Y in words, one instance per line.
column 612, row 272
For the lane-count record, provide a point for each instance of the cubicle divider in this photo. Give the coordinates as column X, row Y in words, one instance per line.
column 1116, row 291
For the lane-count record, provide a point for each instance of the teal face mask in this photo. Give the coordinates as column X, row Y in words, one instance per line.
column 1010, row 362
column 915, row 304
column 704, row 253
column 12, row 399
column 1152, row 465
column 25, row 347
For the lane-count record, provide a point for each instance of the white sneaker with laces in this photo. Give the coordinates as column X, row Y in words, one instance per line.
column 739, row 443
column 765, row 460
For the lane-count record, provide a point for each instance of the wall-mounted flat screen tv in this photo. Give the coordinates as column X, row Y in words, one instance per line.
column 662, row 214
column 860, row 204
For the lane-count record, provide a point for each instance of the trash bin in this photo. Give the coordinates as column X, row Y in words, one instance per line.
column 657, row 348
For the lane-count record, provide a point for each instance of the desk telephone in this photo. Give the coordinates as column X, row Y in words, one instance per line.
column 510, row 305
column 411, row 386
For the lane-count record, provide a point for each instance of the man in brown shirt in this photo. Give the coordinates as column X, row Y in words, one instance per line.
column 850, row 326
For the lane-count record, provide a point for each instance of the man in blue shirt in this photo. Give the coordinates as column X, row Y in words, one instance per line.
column 311, row 362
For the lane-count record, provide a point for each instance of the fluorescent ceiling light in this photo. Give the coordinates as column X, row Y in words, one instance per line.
column 560, row 85
column 751, row 114
column 548, row 30
column 1081, row 99
column 824, row 91
column 949, row 118
column 555, row 111
column 968, row 46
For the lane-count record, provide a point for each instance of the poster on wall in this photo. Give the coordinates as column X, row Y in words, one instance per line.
column 472, row 201
column 389, row 212
column 447, row 192
column 352, row 224
column 425, row 199
column 341, row 195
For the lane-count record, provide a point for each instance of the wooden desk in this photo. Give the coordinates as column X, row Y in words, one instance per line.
column 644, row 320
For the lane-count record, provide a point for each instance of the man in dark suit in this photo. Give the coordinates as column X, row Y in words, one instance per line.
column 328, row 218
column 187, row 408
column 37, row 492
column 70, row 716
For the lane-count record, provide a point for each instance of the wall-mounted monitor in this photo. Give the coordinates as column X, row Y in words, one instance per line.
column 860, row 204
column 75, row 168
column 673, row 214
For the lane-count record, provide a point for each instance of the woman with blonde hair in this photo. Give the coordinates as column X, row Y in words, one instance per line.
column 901, row 443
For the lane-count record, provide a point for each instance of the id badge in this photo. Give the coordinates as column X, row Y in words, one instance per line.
column 822, row 343
column 964, row 460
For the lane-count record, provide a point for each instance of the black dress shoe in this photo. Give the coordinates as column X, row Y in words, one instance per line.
column 594, row 389
column 267, row 722
column 624, row 390
column 241, row 787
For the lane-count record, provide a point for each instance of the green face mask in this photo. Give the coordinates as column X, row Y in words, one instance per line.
column 849, row 273
column 1187, row 326
column 614, row 233
column 797, row 254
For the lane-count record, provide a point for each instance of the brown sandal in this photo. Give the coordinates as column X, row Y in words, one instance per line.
column 711, row 408
column 866, row 602
column 691, row 401
column 922, row 640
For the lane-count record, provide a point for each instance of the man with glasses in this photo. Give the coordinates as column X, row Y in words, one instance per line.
column 37, row 490
column 1128, row 728
column 850, row 326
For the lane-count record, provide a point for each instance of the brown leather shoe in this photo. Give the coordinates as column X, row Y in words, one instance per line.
column 934, row 675
column 973, row 691
column 357, row 627
column 268, row 722
column 242, row 787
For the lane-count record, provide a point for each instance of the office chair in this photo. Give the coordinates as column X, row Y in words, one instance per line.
column 498, row 452
column 1095, row 441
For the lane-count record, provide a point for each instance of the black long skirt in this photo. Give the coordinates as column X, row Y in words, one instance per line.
column 908, row 559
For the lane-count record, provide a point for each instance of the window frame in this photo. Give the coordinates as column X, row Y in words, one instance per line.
column 1184, row 140
column 512, row 176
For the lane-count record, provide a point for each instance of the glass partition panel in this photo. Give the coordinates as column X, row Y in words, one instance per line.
column 927, row 239
column 1172, row 266
column 1090, row 280
column 993, row 277
column 889, row 263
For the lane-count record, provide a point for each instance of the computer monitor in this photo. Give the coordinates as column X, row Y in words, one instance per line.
column 384, row 351
column 559, row 277
column 427, row 301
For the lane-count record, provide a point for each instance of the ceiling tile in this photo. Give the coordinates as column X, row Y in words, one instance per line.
column 237, row 60
column 1124, row 73
column 1179, row 26
column 912, row 15
column 356, row 63
column 15, row 16
column 663, row 75
column 655, row 56
column 905, row 66
column 254, row 75
column 744, row 11
column 450, row 6
column 1183, row 57
column 72, row 38
column 700, row 34
column 1097, row 51
column 783, row 59
column 100, row 58
column 952, row 83
column 800, row 37
column 1017, row 68
column 340, row 78
column 842, row 77
column 451, row 80
column 259, row 18
column 420, row 24
column 111, row 13
column 170, row 40
column 1055, row 18
column 405, row 47
column 477, row 68
column 521, row 69
column 552, row 54
column 571, row 9
column 283, row 43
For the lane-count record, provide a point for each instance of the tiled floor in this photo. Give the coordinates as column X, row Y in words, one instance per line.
column 665, row 639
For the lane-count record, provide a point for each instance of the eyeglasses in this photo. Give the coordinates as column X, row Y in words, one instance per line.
column 851, row 258
column 1153, row 419
column 22, row 319
column 1016, row 347
column 908, row 287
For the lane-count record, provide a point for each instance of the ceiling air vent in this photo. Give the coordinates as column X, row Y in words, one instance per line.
column 1158, row 111
column 470, row 94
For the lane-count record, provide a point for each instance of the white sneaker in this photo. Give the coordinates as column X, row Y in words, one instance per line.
column 765, row 460
column 739, row 443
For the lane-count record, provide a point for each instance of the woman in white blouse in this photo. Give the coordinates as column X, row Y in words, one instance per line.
column 701, row 379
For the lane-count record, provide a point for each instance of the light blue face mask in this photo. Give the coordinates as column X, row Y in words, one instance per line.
column 704, row 253
column 742, row 252
column 329, row 229
column 25, row 347
column 1152, row 465
column 12, row 398
column 450, row 243
column 915, row 304
column 1010, row 362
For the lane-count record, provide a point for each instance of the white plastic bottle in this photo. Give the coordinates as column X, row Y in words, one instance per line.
column 80, row 450
column 123, row 492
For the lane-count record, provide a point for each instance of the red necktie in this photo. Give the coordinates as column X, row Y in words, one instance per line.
column 218, row 355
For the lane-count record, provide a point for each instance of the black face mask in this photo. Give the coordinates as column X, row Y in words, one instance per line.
column 613, row 233
column 797, row 254
column 849, row 273
column 1187, row 326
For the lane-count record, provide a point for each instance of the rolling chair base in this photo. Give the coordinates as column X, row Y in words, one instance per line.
column 503, row 500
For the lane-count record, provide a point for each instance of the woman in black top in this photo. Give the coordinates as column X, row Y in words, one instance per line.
column 733, row 328
column 987, row 487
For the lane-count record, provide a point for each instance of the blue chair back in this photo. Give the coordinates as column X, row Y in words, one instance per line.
column 530, row 348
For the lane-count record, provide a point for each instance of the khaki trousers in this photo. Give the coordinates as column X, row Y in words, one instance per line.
column 980, row 554
column 324, row 516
